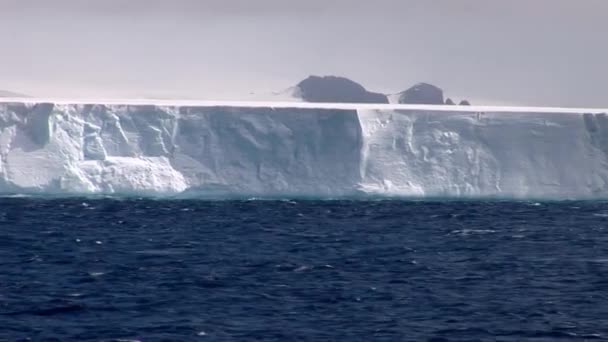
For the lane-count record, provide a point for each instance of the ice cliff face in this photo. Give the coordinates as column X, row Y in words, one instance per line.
column 301, row 150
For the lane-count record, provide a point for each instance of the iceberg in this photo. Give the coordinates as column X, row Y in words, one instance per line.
column 318, row 150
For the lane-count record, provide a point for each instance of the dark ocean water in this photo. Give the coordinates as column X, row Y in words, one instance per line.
column 151, row 270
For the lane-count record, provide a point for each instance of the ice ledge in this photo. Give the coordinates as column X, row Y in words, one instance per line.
column 303, row 105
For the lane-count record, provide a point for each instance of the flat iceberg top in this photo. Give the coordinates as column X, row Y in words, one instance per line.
column 304, row 105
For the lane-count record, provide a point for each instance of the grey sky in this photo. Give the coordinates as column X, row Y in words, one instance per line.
column 538, row 52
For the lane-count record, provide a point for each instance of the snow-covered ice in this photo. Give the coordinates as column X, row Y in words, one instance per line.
column 283, row 149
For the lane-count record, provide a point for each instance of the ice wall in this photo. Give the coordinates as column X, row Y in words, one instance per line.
column 494, row 154
column 313, row 150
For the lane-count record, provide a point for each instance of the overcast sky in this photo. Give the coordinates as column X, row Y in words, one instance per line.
column 533, row 52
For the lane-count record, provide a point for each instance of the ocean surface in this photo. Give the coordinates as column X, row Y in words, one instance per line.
column 188, row 270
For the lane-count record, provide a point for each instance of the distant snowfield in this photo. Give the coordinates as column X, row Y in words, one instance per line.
column 223, row 149
column 5, row 93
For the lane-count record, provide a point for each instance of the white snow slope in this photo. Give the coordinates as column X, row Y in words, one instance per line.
column 257, row 149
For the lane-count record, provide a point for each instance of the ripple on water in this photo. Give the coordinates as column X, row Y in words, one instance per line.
column 188, row 270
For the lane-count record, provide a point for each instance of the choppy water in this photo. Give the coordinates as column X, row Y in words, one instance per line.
column 145, row 270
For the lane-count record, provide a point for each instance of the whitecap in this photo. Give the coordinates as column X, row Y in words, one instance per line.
column 161, row 252
column 302, row 269
column 599, row 261
column 473, row 231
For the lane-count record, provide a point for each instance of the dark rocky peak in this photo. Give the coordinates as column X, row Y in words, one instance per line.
column 422, row 93
column 336, row 89
column 465, row 103
column 449, row 101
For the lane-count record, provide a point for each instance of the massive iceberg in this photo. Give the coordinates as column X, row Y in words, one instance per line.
column 213, row 149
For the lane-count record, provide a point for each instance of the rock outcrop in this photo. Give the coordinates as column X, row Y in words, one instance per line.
column 422, row 93
column 336, row 89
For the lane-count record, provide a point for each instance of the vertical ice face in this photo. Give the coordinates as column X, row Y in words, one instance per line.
column 301, row 150
column 159, row 150
column 265, row 151
column 81, row 149
column 508, row 154
column 31, row 159
column 418, row 153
